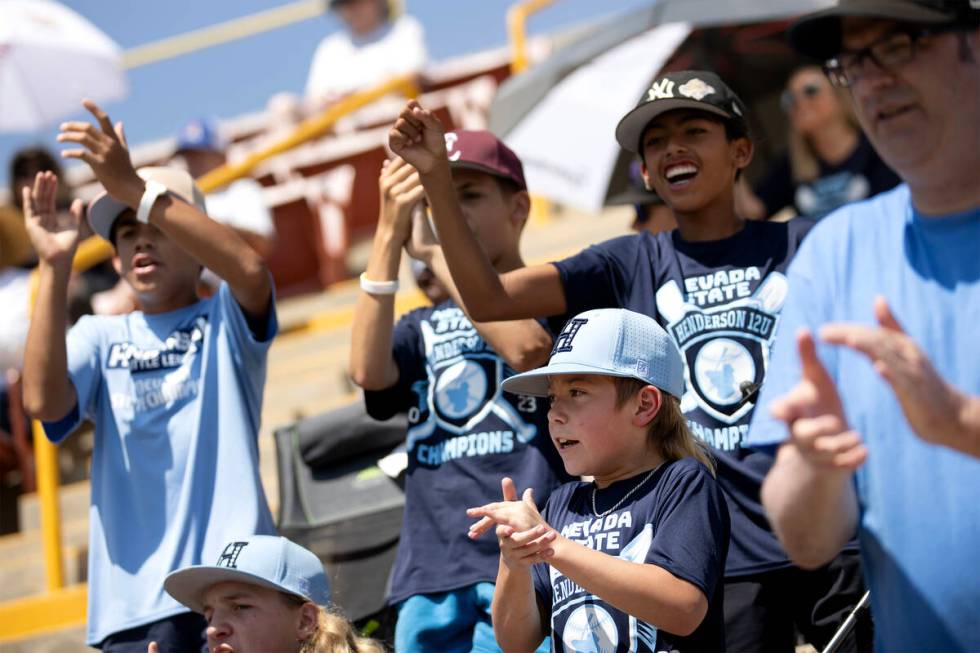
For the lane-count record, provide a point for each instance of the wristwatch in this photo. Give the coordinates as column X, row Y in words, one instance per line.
column 154, row 189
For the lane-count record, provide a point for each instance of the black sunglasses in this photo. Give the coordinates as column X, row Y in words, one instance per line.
column 789, row 98
column 891, row 50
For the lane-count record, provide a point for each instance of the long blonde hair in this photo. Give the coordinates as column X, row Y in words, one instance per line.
column 804, row 164
column 333, row 633
column 668, row 430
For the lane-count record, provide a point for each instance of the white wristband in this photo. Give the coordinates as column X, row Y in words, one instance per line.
column 378, row 287
column 154, row 189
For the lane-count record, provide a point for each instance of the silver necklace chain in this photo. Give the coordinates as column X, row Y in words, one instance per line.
column 626, row 496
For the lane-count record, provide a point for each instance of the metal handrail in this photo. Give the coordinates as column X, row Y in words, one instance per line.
column 94, row 250
column 517, row 16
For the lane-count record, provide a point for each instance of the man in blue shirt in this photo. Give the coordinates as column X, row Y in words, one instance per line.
column 174, row 390
column 879, row 424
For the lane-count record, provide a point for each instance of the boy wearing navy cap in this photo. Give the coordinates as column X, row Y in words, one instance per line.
column 444, row 371
column 635, row 557
column 716, row 284
column 175, row 389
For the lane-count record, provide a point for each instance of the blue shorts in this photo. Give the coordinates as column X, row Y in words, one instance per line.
column 449, row 622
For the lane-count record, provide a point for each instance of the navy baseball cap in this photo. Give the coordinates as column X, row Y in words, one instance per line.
column 200, row 134
column 266, row 560
column 686, row 89
column 609, row 342
column 482, row 151
column 818, row 34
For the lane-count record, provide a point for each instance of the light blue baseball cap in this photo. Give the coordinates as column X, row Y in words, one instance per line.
column 610, row 342
column 266, row 560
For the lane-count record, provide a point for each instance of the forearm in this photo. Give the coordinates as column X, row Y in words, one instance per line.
column 645, row 591
column 48, row 392
column 813, row 511
column 516, row 620
column 967, row 438
column 371, row 364
column 523, row 344
column 214, row 245
column 481, row 292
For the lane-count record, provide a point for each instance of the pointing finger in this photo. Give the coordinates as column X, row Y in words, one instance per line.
column 100, row 116
column 509, row 489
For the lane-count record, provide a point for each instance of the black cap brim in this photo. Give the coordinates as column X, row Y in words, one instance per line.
column 818, row 35
column 630, row 128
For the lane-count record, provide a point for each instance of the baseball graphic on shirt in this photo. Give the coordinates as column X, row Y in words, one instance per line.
column 590, row 629
column 720, row 367
column 461, row 389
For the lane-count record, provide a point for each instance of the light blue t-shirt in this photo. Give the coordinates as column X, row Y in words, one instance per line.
column 176, row 401
column 920, row 513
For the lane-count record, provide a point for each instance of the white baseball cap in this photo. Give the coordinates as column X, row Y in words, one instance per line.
column 266, row 560
column 611, row 342
column 104, row 209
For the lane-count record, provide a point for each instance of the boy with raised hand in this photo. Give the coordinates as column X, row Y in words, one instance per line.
column 635, row 557
column 174, row 390
column 444, row 371
column 716, row 284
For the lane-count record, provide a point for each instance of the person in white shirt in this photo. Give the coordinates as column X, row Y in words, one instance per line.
column 374, row 46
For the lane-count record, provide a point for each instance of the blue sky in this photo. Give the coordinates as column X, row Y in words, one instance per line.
column 238, row 77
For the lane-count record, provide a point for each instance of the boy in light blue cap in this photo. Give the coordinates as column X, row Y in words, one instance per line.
column 634, row 559
column 265, row 593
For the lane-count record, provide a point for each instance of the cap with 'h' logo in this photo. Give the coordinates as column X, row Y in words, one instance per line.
column 266, row 560
column 610, row 342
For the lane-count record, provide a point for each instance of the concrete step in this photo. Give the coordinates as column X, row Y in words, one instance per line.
column 69, row 640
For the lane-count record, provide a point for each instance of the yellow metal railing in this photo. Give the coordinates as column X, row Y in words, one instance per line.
column 95, row 250
column 517, row 16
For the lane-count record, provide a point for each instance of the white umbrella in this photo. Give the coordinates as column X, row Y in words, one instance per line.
column 51, row 58
column 559, row 117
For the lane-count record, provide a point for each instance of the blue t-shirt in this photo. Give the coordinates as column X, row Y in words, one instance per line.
column 176, row 400
column 920, row 521
column 677, row 520
column 464, row 435
column 720, row 300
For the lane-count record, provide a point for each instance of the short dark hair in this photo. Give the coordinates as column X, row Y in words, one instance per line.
column 28, row 162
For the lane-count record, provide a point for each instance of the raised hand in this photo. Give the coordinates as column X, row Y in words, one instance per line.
column 105, row 151
column 401, row 191
column 813, row 412
column 522, row 533
column 54, row 235
column 419, row 138
column 931, row 406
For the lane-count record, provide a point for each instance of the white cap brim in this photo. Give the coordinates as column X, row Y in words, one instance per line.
column 535, row 382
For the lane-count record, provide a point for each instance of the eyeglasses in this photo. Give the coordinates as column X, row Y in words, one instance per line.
column 789, row 98
column 891, row 50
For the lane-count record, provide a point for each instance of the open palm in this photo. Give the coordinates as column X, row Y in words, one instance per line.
column 53, row 234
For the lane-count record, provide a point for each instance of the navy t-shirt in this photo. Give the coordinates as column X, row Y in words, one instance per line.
column 677, row 521
column 861, row 175
column 464, row 435
column 720, row 300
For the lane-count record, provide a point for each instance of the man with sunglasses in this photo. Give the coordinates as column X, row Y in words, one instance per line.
column 879, row 423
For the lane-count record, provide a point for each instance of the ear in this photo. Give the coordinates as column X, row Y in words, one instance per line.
column 117, row 264
column 742, row 150
column 307, row 621
column 647, row 183
column 520, row 209
column 648, row 403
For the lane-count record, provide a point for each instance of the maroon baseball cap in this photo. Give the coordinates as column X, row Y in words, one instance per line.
column 481, row 150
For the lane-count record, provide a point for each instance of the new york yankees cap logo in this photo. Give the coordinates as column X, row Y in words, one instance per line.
column 265, row 560
column 609, row 342
column 687, row 89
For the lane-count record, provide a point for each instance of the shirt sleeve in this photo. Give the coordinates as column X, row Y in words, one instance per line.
column 407, row 351
column 85, row 372
column 238, row 327
column 808, row 306
column 598, row 276
column 692, row 530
